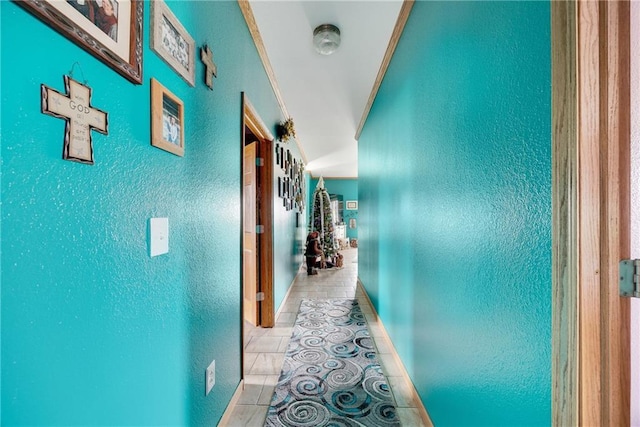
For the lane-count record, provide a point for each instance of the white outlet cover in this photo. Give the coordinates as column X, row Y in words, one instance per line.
column 158, row 236
column 210, row 379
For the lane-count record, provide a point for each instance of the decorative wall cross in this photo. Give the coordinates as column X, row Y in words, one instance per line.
column 211, row 70
column 81, row 118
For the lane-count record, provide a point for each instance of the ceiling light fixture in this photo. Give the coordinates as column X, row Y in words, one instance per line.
column 326, row 39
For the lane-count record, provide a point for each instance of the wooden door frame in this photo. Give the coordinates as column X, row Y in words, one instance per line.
column 591, row 140
column 264, row 195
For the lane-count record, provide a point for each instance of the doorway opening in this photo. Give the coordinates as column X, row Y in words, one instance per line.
column 257, row 224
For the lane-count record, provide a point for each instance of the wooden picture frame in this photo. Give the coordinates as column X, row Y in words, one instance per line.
column 167, row 120
column 352, row 205
column 86, row 23
column 172, row 42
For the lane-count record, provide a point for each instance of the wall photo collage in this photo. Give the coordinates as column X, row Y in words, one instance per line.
column 111, row 30
column 291, row 186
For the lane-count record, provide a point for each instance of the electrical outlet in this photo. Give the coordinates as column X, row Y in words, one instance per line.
column 210, row 379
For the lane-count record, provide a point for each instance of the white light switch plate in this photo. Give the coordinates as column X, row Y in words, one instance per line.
column 210, row 377
column 158, row 236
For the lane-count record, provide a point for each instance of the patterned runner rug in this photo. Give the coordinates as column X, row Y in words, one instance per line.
column 331, row 375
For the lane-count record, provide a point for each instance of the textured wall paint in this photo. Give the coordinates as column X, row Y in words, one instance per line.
column 349, row 190
column 455, row 209
column 288, row 239
column 94, row 331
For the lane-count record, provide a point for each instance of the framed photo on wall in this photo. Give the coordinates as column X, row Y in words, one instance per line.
column 110, row 30
column 171, row 41
column 167, row 120
column 352, row 205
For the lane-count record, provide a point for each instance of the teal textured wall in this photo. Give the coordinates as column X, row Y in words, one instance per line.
column 455, row 209
column 288, row 239
column 349, row 190
column 94, row 331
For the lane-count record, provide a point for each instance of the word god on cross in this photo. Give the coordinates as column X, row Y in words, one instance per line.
column 81, row 118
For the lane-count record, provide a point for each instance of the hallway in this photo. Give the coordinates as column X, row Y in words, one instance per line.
column 456, row 218
column 265, row 348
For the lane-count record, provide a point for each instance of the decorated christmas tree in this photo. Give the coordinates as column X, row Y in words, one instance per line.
column 322, row 220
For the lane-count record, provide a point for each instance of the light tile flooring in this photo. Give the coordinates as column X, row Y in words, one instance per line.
column 265, row 347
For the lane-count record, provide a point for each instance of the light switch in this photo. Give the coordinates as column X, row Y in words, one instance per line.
column 210, row 377
column 158, row 236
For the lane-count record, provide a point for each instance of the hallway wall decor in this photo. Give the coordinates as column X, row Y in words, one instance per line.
column 454, row 244
column 210, row 68
column 114, row 336
column 167, row 120
column 80, row 23
column 291, row 187
column 285, row 130
column 172, row 42
column 74, row 107
column 291, row 237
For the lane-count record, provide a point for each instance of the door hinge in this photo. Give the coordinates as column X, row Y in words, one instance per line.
column 259, row 229
column 260, row 296
column 259, row 161
column 630, row 278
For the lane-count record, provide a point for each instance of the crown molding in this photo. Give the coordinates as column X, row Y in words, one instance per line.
column 247, row 12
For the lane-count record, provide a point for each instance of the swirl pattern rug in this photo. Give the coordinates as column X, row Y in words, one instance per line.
column 331, row 375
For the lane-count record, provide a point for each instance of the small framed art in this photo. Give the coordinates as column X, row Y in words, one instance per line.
column 167, row 120
column 171, row 41
column 352, row 205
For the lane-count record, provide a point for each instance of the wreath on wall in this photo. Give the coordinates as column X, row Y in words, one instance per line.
column 286, row 130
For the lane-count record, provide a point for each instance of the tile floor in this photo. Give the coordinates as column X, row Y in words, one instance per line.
column 265, row 347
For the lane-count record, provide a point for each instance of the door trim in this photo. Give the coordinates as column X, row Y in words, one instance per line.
column 615, row 180
column 590, row 132
column 252, row 120
column 564, row 319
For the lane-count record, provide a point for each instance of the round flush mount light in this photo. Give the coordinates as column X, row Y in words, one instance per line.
column 326, row 39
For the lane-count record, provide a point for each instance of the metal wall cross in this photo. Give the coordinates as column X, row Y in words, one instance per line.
column 211, row 70
column 81, row 118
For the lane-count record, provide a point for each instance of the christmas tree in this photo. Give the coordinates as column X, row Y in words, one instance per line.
column 322, row 220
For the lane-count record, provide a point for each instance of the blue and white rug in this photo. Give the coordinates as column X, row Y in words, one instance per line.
column 331, row 375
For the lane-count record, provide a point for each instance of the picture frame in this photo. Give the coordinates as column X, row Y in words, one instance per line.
column 167, row 120
column 116, row 42
column 172, row 42
column 352, row 205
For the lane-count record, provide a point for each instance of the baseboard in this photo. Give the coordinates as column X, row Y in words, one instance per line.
column 424, row 415
column 226, row 417
column 286, row 296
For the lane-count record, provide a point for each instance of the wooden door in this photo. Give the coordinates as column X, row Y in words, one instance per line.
column 590, row 97
column 250, row 248
column 634, row 197
column 635, row 254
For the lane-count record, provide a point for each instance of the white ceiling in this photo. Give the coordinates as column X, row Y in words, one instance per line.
column 326, row 95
